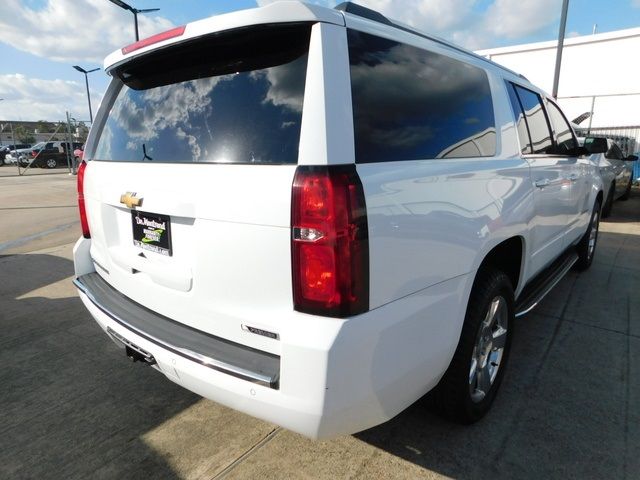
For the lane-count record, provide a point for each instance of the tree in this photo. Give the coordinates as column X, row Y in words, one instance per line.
column 23, row 135
column 44, row 127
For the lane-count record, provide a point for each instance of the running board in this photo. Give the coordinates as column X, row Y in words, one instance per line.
column 544, row 282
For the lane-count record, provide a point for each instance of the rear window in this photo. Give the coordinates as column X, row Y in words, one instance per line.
column 412, row 104
column 234, row 97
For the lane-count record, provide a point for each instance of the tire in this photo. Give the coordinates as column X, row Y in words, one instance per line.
column 51, row 163
column 608, row 204
column 464, row 397
column 627, row 192
column 586, row 249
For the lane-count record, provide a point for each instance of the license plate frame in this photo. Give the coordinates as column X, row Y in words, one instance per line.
column 152, row 232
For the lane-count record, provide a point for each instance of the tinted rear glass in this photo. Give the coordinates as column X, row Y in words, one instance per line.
column 228, row 98
column 410, row 103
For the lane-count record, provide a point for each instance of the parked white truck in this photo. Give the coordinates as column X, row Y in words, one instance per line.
column 316, row 216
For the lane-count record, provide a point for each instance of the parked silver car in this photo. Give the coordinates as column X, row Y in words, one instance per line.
column 615, row 169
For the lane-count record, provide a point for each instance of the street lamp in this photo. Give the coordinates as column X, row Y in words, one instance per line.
column 135, row 12
column 86, row 80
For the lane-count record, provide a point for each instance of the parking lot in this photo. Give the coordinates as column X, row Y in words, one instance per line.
column 72, row 406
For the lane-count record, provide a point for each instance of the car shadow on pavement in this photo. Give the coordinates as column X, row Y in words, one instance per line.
column 71, row 405
column 625, row 211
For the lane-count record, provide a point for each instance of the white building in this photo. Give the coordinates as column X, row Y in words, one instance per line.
column 603, row 67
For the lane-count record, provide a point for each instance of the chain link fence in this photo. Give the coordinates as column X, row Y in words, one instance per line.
column 52, row 144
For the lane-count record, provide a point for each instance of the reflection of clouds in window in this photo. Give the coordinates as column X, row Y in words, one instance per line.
column 406, row 81
column 245, row 117
column 417, row 101
column 103, row 150
column 192, row 141
column 144, row 115
column 406, row 137
column 285, row 88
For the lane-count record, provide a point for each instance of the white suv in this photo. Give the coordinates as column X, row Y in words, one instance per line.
column 316, row 216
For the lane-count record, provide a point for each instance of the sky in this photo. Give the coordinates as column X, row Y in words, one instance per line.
column 41, row 40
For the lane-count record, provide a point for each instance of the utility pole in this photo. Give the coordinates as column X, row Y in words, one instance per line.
column 563, row 26
column 86, row 81
column 70, row 160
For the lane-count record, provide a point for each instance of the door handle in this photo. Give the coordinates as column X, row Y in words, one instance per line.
column 573, row 177
column 545, row 182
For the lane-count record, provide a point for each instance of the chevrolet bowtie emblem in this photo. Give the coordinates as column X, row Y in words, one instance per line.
column 130, row 200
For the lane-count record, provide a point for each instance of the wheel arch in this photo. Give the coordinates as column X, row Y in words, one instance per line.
column 508, row 257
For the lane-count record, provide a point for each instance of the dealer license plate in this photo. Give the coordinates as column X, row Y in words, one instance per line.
column 152, row 231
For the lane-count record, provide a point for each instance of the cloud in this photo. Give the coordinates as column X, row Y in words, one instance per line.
column 463, row 21
column 72, row 30
column 35, row 99
column 520, row 18
column 635, row 3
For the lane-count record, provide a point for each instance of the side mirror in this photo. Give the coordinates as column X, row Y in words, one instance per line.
column 631, row 158
column 596, row 144
column 579, row 152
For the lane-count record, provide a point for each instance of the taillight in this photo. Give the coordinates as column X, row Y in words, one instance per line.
column 159, row 37
column 34, row 153
column 84, row 222
column 330, row 241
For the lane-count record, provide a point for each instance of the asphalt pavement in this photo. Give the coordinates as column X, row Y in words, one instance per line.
column 73, row 407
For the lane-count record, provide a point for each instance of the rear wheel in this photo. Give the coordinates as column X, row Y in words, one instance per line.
column 51, row 163
column 586, row 249
column 470, row 384
column 627, row 192
column 608, row 204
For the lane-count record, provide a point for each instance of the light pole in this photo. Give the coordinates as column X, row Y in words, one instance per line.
column 563, row 26
column 86, row 81
column 135, row 12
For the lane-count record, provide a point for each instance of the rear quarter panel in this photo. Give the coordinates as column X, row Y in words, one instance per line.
column 433, row 220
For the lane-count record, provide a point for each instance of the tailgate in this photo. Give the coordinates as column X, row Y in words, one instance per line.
column 188, row 187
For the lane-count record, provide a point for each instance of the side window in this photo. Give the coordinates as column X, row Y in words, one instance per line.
column 521, row 123
column 49, row 146
column 536, row 120
column 566, row 142
column 413, row 104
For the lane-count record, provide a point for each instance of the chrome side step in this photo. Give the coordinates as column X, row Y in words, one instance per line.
column 543, row 283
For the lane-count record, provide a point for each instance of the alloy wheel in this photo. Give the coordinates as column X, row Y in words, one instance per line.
column 488, row 349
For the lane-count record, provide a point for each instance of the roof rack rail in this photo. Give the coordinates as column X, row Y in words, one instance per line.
column 369, row 14
column 364, row 12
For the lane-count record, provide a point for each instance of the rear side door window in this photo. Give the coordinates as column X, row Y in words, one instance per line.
column 539, row 140
column 566, row 142
column 521, row 123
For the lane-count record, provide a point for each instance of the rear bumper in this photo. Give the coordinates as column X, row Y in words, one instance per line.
column 332, row 376
column 213, row 352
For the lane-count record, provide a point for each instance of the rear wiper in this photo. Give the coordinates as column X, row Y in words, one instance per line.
column 144, row 151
